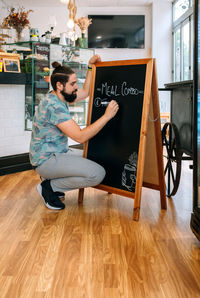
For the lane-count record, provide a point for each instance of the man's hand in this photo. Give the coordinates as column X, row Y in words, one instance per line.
column 111, row 109
column 84, row 92
column 94, row 59
column 81, row 135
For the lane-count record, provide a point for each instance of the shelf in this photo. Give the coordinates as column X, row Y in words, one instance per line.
column 179, row 84
column 12, row 78
column 35, row 78
column 31, row 43
column 27, row 44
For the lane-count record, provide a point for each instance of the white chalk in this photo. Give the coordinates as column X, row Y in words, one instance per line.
column 105, row 103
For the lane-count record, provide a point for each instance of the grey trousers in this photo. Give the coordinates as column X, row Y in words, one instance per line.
column 68, row 171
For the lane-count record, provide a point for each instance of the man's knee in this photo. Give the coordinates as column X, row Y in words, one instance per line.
column 98, row 176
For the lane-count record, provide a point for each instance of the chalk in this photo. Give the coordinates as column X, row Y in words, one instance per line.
column 105, row 103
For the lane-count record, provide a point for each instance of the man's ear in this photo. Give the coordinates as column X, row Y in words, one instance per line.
column 59, row 86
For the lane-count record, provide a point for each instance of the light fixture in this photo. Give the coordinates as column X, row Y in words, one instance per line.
column 82, row 22
column 70, row 24
column 72, row 13
column 72, row 8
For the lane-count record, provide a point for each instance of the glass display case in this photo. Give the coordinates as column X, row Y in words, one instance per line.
column 77, row 59
column 195, row 217
column 79, row 110
column 35, row 61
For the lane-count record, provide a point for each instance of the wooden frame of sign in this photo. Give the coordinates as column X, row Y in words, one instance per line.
column 150, row 168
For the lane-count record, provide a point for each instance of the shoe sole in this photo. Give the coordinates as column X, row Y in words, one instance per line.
column 39, row 189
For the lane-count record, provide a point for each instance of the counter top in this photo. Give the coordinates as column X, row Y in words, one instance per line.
column 179, row 84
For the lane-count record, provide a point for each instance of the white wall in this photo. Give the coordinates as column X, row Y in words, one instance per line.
column 122, row 54
column 162, row 47
column 157, row 42
column 13, row 138
column 43, row 14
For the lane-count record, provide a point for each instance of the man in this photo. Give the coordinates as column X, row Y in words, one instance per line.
column 52, row 125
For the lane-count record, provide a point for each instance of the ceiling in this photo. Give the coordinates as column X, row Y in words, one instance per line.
column 83, row 3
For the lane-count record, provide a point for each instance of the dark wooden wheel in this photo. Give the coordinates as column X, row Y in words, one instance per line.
column 172, row 158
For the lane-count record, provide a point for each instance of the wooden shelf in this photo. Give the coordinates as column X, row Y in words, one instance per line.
column 11, row 78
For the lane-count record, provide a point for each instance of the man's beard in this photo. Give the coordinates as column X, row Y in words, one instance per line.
column 69, row 97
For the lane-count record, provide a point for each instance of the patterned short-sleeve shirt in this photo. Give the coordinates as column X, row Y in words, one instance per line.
column 46, row 137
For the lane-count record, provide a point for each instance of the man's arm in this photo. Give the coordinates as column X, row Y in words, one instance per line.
column 84, row 92
column 72, row 130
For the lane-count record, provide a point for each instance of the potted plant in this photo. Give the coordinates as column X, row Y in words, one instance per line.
column 83, row 24
column 17, row 19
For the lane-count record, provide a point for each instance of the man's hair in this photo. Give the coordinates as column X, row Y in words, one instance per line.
column 60, row 74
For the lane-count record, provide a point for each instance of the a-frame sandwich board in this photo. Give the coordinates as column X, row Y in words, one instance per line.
column 149, row 164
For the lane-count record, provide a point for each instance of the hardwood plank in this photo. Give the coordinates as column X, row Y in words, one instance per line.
column 96, row 250
column 5, row 283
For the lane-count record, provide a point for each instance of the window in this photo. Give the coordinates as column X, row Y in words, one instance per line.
column 177, row 55
column 179, row 8
column 182, row 40
column 186, row 51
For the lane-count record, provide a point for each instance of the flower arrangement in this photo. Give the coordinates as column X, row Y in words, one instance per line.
column 84, row 23
column 17, row 19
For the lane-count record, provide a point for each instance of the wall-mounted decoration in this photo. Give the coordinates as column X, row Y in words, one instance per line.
column 11, row 65
column 11, row 62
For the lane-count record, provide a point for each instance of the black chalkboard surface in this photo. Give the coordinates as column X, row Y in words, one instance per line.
column 116, row 146
column 129, row 147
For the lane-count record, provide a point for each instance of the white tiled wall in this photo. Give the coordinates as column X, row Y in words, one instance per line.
column 13, row 138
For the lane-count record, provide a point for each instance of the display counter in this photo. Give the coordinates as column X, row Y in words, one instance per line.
column 12, row 78
column 14, row 143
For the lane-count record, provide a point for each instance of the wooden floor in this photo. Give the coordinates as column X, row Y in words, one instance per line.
column 96, row 250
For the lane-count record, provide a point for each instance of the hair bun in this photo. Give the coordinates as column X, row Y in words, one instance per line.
column 56, row 64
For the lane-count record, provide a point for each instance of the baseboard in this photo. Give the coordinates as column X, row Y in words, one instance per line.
column 14, row 163
column 77, row 146
column 20, row 162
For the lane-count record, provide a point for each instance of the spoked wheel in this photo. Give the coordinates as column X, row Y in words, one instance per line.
column 172, row 157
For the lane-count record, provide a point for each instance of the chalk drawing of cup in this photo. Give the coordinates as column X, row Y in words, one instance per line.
column 129, row 176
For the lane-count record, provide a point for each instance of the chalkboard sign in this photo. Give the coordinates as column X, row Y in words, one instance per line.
column 116, row 146
column 120, row 146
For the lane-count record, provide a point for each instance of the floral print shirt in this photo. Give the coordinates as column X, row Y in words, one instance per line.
column 47, row 138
